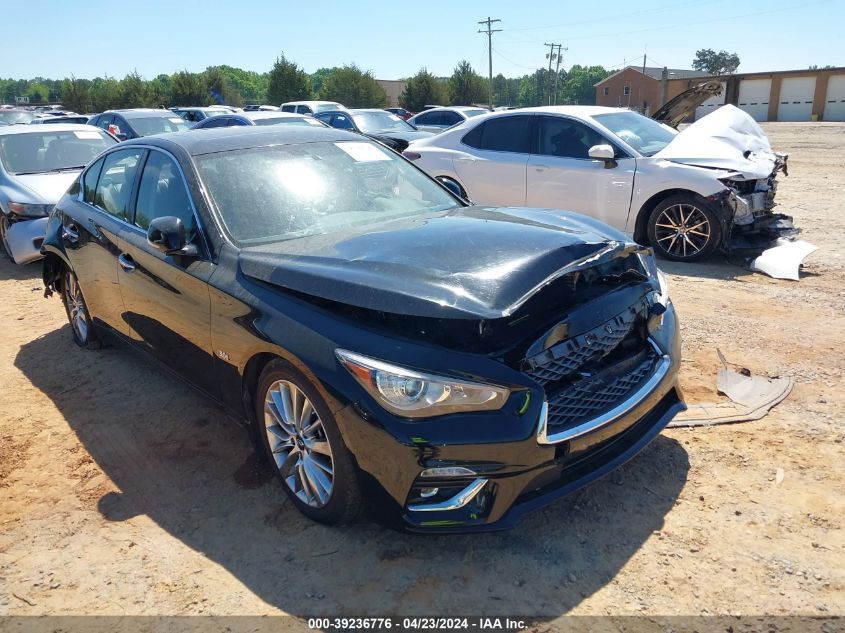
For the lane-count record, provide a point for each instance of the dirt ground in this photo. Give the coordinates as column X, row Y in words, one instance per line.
column 123, row 492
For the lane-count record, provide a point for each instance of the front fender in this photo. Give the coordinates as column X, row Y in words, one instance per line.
column 53, row 250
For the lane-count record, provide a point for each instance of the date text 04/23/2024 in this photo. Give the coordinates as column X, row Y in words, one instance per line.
column 418, row 624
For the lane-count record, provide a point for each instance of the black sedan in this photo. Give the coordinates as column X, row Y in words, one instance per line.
column 379, row 125
column 450, row 366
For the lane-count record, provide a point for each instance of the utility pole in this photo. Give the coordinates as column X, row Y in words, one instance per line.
column 557, row 70
column 551, row 56
column 489, row 31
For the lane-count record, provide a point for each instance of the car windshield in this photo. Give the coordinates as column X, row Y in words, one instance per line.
column 645, row 135
column 147, row 126
column 39, row 152
column 16, row 116
column 379, row 122
column 288, row 120
column 284, row 192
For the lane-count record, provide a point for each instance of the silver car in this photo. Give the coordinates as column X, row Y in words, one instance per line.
column 37, row 165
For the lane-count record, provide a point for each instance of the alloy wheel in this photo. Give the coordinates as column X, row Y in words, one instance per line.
column 77, row 312
column 683, row 230
column 298, row 443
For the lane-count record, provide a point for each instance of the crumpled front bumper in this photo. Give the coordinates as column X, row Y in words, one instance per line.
column 24, row 238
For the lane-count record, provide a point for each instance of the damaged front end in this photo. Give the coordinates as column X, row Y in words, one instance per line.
column 749, row 204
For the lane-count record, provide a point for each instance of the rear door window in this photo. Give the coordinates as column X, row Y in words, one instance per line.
column 89, row 181
column 503, row 134
column 114, row 187
column 565, row 138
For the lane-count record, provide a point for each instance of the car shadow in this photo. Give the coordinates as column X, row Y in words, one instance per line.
column 176, row 458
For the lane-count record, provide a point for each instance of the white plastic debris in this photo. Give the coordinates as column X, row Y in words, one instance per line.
column 784, row 260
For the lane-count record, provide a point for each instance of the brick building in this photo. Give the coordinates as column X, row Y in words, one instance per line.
column 787, row 95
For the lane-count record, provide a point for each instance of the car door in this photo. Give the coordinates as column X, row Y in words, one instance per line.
column 561, row 175
column 165, row 297
column 91, row 232
column 492, row 165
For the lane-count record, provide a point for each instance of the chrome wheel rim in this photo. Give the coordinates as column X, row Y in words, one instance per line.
column 682, row 230
column 4, row 228
column 76, row 307
column 298, row 443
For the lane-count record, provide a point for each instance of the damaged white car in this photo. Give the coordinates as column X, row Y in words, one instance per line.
column 686, row 193
column 37, row 165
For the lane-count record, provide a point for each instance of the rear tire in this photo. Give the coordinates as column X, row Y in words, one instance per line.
column 81, row 325
column 302, row 443
column 684, row 228
column 4, row 228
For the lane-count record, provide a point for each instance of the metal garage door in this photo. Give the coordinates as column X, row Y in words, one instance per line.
column 754, row 97
column 711, row 104
column 834, row 102
column 796, row 98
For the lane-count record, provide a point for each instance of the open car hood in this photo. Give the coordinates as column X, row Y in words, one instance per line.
column 468, row 263
column 680, row 108
column 726, row 139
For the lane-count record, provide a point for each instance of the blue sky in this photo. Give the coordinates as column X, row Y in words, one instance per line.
column 395, row 39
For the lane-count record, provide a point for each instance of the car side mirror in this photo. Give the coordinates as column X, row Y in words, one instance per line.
column 604, row 153
column 167, row 234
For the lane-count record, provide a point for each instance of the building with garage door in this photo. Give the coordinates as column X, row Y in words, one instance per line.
column 787, row 95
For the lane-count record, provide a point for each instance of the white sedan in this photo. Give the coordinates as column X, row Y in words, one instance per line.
column 687, row 194
column 441, row 118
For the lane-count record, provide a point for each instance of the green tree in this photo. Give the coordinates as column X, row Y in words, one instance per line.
column 134, row 92
column 105, row 94
column 222, row 92
column 288, row 82
column 38, row 92
column 353, row 88
column 250, row 85
column 579, row 85
column 421, row 90
column 159, row 90
column 76, row 94
column 721, row 63
column 318, row 79
column 188, row 89
column 466, row 86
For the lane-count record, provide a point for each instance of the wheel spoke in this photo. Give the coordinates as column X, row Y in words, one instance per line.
column 318, row 481
column 319, row 447
column 305, row 416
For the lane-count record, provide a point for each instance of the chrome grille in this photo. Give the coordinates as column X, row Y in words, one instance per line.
column 565, row 358
column 588, row 397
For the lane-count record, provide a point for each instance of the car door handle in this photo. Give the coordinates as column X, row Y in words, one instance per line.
column 70, row 233
column 127, row 263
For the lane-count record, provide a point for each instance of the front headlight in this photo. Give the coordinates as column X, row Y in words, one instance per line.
column 26, row 210
column 415, row 394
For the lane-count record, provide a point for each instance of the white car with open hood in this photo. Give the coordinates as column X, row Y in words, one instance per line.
column 686, row 193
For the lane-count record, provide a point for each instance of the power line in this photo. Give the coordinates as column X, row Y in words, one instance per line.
column 489, row 33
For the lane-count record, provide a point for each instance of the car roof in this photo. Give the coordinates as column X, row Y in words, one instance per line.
column 137, row 113
column 307, row 102
column 270, row 114
column 224, row 139
column 573, row 110
column 55, row 127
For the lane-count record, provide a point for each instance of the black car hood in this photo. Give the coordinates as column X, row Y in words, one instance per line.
column 680, row 108
column 469, row 263
column 410, row 135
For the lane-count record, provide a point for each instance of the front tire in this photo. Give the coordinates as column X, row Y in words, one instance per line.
column 84, row 332
column 4, row 229
column 301, row 441
column 684, row 228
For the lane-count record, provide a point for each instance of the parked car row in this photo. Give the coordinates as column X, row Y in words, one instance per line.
column 428, row 336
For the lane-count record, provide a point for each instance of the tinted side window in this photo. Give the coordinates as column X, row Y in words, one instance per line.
column 218, row 121
column 89, row 181
column 428, row 118
column 450, row 118
column 288, row 108
column 342, row 122
column 114, row 187
column 105, row 120
column 505, row 134
column 162, row 193
column 566, row 138
column 304, row 109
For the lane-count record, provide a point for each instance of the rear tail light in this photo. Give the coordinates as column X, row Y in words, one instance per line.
column 410, row 155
